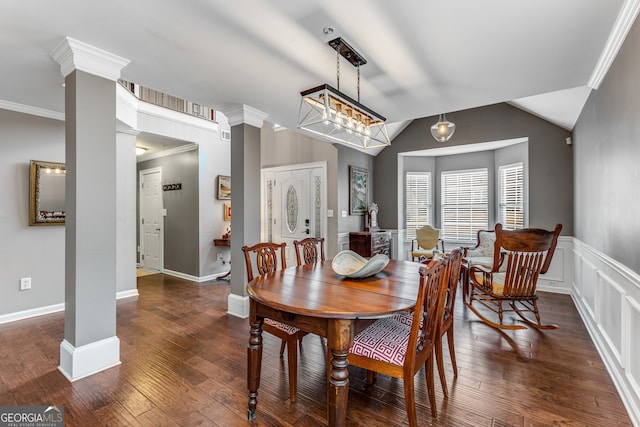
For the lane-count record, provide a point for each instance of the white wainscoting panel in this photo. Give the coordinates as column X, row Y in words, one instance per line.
column 607, row 294
column 343, row 241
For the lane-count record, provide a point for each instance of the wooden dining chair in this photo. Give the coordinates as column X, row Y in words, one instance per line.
column 312, row 250
column 452, row 278
column 399, row 350
column 520, row 256
column 266, row 261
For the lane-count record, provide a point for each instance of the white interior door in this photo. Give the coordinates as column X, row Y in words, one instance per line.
column 151, row 219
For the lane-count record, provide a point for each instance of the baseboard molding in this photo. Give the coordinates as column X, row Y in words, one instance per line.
column 80, row 362
column 41, row 311
column 34, row 312
column 238, row 306
column 605, row 294
column 127, row 294
column 197, row 279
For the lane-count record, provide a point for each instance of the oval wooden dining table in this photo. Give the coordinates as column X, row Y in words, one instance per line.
column 318, row 300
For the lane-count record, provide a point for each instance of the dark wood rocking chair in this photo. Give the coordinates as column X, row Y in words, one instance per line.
column 312, row 250
column 519, row 257
column 266, row 256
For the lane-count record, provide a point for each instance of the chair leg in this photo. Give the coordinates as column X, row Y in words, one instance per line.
column 440, row 363
column 410, row 401
column 371, row 376
column 452, row 352
column 292, row 362
column 282, row 346
column 430, row 388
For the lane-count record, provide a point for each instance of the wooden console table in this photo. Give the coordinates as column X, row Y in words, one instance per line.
column 222, row 242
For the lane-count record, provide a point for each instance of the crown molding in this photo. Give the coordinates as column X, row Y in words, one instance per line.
column 34, row 111
column 74, row 55
column 245, row 114
column 621, row 28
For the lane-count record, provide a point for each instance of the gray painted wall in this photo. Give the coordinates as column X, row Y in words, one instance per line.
column 550, row 160
column 349, row 157
column 36, row 252
column 606, row 141
column 181, row 248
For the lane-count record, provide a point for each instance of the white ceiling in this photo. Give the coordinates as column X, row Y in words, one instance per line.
column 424, row 57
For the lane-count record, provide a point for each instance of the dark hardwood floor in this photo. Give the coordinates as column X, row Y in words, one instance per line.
column 184, row 364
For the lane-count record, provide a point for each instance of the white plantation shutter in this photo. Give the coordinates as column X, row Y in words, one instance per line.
column 418, row 201
column 465, row 204
column 511, row 197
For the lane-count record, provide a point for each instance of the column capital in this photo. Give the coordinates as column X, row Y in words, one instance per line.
column 239, row 114
column 74, row 55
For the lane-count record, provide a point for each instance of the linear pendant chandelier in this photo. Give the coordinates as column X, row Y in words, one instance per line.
column 330, row 113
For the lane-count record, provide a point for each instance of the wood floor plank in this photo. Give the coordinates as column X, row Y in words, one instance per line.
column 184, row 364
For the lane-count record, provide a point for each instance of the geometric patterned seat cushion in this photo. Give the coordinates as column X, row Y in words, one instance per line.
column 405, row 318
column 497, row 281
column 282, row 326
column 385, row 340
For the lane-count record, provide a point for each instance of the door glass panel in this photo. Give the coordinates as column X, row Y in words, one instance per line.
column 292, row 209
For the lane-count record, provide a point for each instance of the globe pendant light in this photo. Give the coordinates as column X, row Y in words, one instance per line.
column 443, row 130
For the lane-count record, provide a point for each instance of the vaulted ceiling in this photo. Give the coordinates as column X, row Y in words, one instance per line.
column 424, row 57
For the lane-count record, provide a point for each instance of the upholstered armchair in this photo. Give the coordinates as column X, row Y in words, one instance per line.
column 426, row 241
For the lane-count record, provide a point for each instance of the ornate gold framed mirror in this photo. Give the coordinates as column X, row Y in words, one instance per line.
column 46, row 193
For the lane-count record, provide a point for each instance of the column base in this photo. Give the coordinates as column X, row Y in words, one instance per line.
column 81, row 362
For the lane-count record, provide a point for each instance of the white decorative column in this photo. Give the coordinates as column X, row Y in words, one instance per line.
column 90, row 343
column 245, row 125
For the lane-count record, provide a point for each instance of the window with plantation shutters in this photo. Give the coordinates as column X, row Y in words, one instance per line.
column 465, row 204
column 418, row 202
column 511, row 196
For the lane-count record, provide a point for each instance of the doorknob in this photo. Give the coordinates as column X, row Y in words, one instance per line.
column 157, row 229
column 306, row 231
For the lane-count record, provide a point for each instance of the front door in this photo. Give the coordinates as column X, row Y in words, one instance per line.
column 295, row 222
column 294, row 205
column 151, row 218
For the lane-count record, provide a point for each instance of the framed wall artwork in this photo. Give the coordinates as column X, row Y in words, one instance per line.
column 224, row 187
column 227, row 211
column 358, row 190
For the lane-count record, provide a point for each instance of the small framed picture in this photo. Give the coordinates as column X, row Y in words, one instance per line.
column 227, row 211
column 224, row 187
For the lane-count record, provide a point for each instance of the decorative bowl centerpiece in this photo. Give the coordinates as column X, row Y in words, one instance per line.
column 350, row 264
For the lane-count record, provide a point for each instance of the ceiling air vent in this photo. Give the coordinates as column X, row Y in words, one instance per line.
column 225, row 135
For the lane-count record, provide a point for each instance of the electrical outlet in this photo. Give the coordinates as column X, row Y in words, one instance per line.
column 25, row 283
